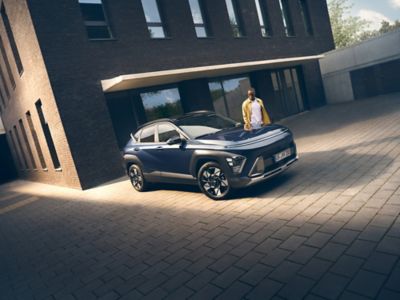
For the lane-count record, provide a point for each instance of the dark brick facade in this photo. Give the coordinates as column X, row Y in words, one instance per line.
column 64, row 68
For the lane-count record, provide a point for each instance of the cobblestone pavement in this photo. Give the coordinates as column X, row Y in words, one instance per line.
column 328, row 228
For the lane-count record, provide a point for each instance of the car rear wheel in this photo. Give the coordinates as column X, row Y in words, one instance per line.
column 213, row 181
column 137, row 178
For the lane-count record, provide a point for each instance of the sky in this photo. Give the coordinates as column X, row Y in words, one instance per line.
column 376, row 10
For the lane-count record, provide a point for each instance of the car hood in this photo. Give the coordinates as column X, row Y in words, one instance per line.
column 239, row 135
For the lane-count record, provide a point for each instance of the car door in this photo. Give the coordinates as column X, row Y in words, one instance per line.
column 174, row 159
column 147, row 152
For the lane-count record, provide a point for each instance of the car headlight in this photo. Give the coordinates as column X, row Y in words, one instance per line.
column 236, row 163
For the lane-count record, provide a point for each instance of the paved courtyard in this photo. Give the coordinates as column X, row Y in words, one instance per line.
column 328, row 228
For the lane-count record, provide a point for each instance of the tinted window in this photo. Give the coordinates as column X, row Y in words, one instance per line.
column 153, row 19
column 95, row 19
column 232, row 7
column 147, row 135
column 196, row 126
column 286, row 18
column 263, row 18
column 165, row 132
column 198, row 20
column 305, row 13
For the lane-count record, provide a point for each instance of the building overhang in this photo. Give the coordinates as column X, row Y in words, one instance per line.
column 141, row 80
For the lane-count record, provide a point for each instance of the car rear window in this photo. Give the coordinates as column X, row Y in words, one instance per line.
column 147, row 135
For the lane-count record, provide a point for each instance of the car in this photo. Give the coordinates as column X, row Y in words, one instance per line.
column 209, row 150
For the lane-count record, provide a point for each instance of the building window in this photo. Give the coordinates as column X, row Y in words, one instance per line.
column 21, row 150
column 11, row 39
column 7, row 63
column 233, row 9
column 263, row 18
column 287, row 20
column 198, row 18
column 27, row 145
column 305, row 13
column 162, row 103
column 3, row 82
column 2, row 99
column 95, row 19
column 47, row 135
column 228, row 96
column 36, row 141
column 16, row 151
column 153, row 19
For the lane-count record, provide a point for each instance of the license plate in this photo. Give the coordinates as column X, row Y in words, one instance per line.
column 282, row 155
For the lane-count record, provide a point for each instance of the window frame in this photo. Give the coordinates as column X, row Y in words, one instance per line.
column 204, row 18
column 263, row 13
column 239, row 26
column 160, row 24
column 105, row 23
column 155, row 134
column 287, row 18
column 306, row 16
column 176, row 128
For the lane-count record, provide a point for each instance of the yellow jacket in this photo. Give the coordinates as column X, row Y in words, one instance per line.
column 246, row 110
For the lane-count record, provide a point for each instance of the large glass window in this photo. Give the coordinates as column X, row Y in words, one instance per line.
column 153, row 19
column 198, row 18
column 263, row 18
column 21, row 150
column 305, row 13
column 234, row 20
column 47, row 135
column 11, row 39
column 95, row 19
column 228, row 96
column 162, row 103
column 286, row 18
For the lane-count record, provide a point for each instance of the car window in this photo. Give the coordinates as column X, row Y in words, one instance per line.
column 165, row 132
column 147, row 135
column 137, row 136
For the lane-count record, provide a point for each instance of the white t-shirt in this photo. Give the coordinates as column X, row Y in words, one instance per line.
column 256, row 115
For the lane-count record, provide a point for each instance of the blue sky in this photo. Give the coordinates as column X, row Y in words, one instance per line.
column 376, row 10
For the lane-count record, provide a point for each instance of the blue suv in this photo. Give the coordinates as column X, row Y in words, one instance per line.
column 207, row 149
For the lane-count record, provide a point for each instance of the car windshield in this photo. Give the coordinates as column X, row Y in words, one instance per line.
column 201, row 125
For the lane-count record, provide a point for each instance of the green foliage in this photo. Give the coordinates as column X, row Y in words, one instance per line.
column 385, row 28
column 346, row 29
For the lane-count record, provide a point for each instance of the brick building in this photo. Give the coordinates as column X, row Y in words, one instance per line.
column 77, row 76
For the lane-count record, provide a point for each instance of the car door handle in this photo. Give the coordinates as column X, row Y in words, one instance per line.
column 136, row 149
column 160, row 148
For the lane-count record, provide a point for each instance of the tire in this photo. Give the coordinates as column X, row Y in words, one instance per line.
column 213, row 182
column 137, row 179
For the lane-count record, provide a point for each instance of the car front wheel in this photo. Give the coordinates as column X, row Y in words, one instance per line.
column 137, row 178
column 213, row 181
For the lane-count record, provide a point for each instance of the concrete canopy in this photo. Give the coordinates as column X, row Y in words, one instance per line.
column 140, row 80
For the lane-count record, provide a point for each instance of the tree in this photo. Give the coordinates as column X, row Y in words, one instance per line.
column 385, row 28
column 347, row 29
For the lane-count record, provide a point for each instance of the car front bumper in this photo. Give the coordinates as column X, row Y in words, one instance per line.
column 241, row 182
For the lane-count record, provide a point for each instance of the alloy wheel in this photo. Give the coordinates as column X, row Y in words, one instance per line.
column 214, row 182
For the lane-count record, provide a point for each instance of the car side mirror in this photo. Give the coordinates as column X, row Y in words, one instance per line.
column 174, row 140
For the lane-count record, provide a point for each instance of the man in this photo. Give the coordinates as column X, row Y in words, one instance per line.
column 254, row 113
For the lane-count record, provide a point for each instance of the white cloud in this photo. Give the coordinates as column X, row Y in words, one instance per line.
column 395, row 3
column 375, row 18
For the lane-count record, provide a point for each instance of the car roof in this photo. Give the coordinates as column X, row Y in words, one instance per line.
column 174, row 120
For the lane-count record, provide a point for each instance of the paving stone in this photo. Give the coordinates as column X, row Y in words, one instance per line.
column 293, row 242
column 367, row 283
column 285, row 271
column 256, row 274
column 303, row 254
column 361, row 248
column 330, row 286
column 390, row 245
column 265, row 290
column 386, row 294
column 347, row 266
column 225, row 279
column 207, row 292
column 331, row 251
column 315, row 268
column 236, row 291
column 318, row 239
column 345, row 236
column 297, row 288
column 393, row 281
column 380, row 263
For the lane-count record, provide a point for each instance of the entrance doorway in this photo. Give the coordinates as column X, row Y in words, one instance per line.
column 287, row 91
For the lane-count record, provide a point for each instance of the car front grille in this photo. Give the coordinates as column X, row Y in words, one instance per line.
column 266, row 162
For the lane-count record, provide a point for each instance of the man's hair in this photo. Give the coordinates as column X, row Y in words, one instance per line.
column 251, row 90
